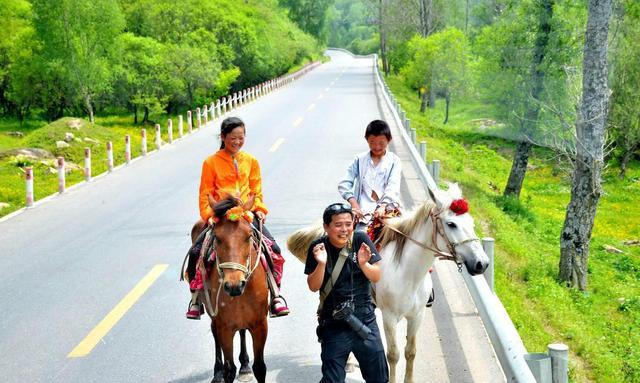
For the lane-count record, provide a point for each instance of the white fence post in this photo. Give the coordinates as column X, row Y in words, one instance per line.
column 199, row 118
column 224, row 105
column 87, row 164
column 423, row 150
column 189, row 121
column 62, row 183
column 28, row 174
column 143, row 144
column 435, row 167
column 488, row 245
column 170, row 130
column 127, row 149
column 158, row 137
column 109, row 156
column 559, row 354
column 205, row 112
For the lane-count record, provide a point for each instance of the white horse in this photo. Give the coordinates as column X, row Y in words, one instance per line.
column 409, row 245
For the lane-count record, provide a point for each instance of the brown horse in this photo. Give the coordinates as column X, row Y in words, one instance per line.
column 238, row 295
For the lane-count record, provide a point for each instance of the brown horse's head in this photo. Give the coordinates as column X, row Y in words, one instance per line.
column 234, row 245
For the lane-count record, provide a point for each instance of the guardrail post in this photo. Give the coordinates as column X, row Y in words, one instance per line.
column 212, row 110
column 559, row 354
column 127, row 149
column 109, row 156
column 414, row 136
column 435, row 167
column 28, row 176
column 170, row 130
column 189, row 121
column 62, row 182
column 488, row 246
column 87, row 164
column 218, row 110
column 143, row 143
column 205, row 112
column 180, row 130
column 199, row 118
column 423, row 150
column 158, row 137
column 540, row 365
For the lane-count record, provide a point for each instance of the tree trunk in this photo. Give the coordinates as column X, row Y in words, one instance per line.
column 135, row 114
column 590, row 128
column 383, row 40
column 145, row 117
column 432, row 96
column 626, row 158
column 426, row 17
column 518, row 169
column 447, row 99
column 424, row 100
column 88, row 106
column 530, row 123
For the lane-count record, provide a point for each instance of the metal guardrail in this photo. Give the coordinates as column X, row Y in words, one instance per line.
column 505, row 338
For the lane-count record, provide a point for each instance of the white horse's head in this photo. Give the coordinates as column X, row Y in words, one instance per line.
column 459, row 234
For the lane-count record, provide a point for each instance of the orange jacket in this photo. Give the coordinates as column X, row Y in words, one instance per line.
column 220, row 178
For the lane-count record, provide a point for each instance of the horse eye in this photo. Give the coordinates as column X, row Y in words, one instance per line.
column 452, row 225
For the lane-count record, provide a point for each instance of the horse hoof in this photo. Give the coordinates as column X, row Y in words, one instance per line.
column 245, row 377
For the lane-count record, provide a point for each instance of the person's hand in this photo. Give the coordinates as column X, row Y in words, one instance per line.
column 364, row 254
column 380, row 211
column 260, row 215
column 358, row 214
column 320, row 253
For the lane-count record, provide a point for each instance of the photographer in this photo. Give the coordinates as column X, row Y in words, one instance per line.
column 341, row 266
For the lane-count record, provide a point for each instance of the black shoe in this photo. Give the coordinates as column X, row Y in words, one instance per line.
column 432, row 297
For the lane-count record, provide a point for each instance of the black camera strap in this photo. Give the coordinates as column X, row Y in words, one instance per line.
column 342, row 257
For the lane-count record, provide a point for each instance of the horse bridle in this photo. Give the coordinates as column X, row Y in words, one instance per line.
column 452, row 255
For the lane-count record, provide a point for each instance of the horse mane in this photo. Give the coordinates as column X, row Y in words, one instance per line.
column 298, row 243
column 221, row 207
column 405, row 224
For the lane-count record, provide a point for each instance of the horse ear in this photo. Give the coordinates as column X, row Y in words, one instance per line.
column 437, row 197
column 454, row 191
column 250, row 201
column 212, row 201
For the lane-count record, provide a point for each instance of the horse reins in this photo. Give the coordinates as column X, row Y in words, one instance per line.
column 438, row 229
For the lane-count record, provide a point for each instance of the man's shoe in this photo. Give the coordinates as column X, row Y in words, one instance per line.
column 432, row 297
column 278, row 307
column 195, row 311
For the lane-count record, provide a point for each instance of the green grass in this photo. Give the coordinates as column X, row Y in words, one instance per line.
column 44, row 136
column 601, row 326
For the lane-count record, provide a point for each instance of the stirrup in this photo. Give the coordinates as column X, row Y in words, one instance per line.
column 195, row 311
column 278, row 307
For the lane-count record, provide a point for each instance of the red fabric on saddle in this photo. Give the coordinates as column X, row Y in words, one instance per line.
column 278, row 261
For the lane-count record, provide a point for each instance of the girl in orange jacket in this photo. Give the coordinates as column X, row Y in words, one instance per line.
column 230, row 171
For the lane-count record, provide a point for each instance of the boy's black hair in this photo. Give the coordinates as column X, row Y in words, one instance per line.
column 378, row 128
column 227, row 125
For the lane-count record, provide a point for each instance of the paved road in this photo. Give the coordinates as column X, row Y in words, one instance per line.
column 73, row 261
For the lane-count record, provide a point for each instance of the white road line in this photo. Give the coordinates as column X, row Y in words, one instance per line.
column 276, row 145
column 297, row 122
column 311, row 107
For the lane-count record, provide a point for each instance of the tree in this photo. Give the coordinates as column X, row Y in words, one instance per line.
column 77, row 37
column 592, row 114
column 310, row 15
column 537, row 74
column 624, row 125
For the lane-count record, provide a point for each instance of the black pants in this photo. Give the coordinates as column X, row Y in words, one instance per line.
column 194, row 251
column 338, row 340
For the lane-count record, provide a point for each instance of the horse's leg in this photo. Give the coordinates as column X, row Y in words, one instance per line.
column 413, row 324
column 245, row 371
column 390, row 321
column 229, row 369
column 259, row 335
column 217, row 367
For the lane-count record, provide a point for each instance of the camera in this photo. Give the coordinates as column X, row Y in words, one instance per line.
column 344, row 311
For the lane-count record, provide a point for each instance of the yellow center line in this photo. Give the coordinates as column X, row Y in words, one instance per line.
column 276, row 144
column 90, row 341
column 297, row 122
column 311, row 107
column 320, row 96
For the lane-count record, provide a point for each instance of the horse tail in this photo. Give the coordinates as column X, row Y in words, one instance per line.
column 298, row 242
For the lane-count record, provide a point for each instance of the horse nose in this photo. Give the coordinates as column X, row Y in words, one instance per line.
column 234, row 290
column 481, row 267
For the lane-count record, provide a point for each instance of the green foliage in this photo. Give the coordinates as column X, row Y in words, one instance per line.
column 600, row 326
column 350, row 26
column 309, row 15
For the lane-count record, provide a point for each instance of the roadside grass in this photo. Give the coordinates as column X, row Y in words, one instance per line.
column 600, row 325
column 44, row 136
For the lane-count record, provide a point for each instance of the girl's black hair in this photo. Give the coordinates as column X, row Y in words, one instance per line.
column 378, row 128
column 228, row 124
